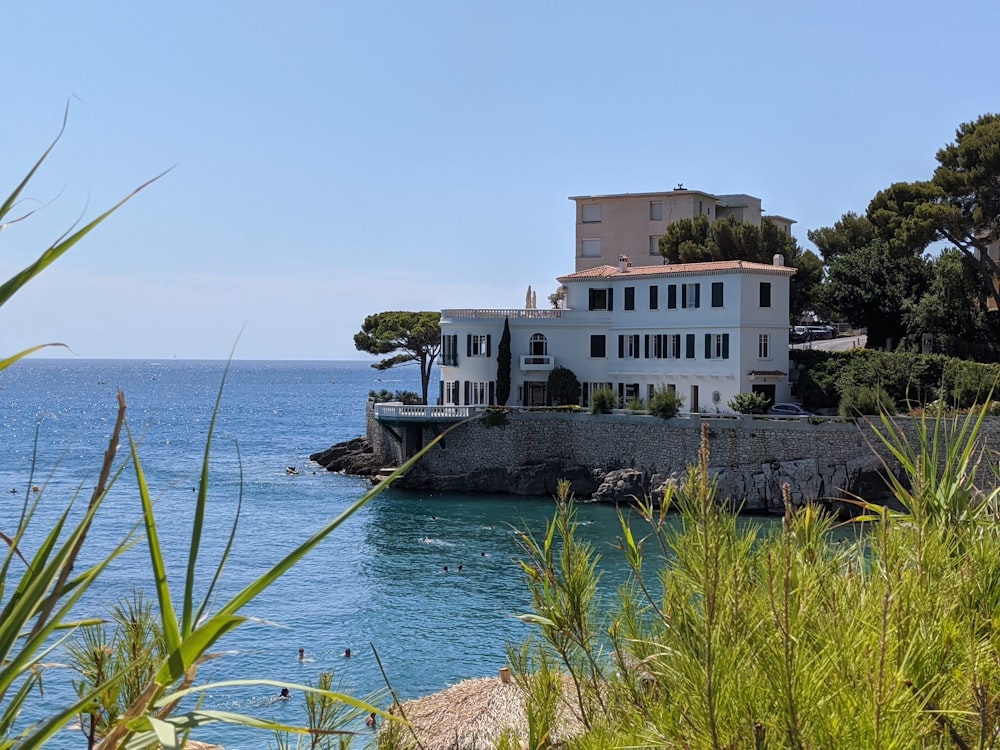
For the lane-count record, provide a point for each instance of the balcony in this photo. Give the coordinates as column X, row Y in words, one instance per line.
column 537, row 363
column 394, row 412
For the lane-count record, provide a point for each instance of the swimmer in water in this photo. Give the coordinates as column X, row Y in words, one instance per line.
column 347, row 653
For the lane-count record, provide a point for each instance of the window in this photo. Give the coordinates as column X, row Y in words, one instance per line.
column 716, row 346
column 478, row 346
column 449, row 353
column 700, row 208
column 592, row 213
column 689, row 346
column 601, row 299
column 690, row 295
column 654, row 297
column 479, row 393
column 763, row 346
column 765, row 294
column 451, row 392
column 630, row 298
column 654, row 244
column 656, row 210
column 598, row 346
column 716, row 294
column 538, row 346
column 666, row 346
column 671, row 296
column 674, row 346
column 591, row 248
column 628, row 346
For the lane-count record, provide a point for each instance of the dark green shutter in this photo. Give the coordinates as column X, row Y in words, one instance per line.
column 689, row 345
column 716, row 294
column 468, row 345
column 466, row 392
column 708, row 346
column 697, row 295
column 725, row 346
column 590, row 306
column 611, row 299
column 672, row 297
column 493, row 392
column 654, row 294
column 488, row 345
column 646, row 346
column 621, row 346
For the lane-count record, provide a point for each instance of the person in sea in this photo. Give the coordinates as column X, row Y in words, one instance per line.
column 302, row 654
column 347, row 653
column 370, row 721
column 284, row 696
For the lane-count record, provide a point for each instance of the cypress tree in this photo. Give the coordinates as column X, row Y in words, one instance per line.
column 503, row 365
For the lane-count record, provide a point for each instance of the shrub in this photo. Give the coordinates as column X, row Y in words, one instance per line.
column 603, row 400
column 406, row 397
column 749, row 403
column 665, row 403
column 495, row 416
column 635, row 404
column 563, row 387
column 866, row 399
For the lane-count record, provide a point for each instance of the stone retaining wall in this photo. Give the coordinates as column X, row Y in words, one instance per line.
column 751, row 457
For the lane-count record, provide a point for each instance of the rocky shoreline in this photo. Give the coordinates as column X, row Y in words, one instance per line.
column 863, row 478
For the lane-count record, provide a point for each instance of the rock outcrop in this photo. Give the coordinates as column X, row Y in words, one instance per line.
column 355, row 456
column 531, row 479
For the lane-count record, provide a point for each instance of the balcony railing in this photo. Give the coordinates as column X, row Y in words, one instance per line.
column 536, row 362
column 422, row 412
column 493, row 314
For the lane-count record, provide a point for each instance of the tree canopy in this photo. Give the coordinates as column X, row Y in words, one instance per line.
column 414, row 336
column 960, row 204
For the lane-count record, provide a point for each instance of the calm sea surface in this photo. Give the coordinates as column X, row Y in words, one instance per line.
column 378, row 581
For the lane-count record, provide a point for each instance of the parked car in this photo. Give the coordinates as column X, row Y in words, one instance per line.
column 789, row 410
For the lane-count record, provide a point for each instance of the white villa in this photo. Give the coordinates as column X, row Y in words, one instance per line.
column 707, row 330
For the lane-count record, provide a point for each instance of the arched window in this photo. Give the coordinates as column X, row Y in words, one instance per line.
column 538, row 346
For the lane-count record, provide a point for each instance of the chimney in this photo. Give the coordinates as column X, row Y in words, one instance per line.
column 778, row 260
column 623, row 264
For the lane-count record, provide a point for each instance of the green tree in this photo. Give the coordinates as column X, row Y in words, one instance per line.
column 849, row 233
column 563, row 387
column 416, row 336
column 872, row 289
column 959, row 205
column 503, row 365
column 960, row 329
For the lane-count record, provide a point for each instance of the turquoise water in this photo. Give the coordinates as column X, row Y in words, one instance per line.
column 377, row 582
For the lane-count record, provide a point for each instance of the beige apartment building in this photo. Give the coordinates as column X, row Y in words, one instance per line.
column 609, row 226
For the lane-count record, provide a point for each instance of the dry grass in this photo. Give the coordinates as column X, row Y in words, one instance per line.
column 473, row 714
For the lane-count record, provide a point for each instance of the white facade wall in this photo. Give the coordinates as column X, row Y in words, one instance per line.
column 735, row 328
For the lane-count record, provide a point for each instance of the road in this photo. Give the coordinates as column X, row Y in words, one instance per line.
column 840, row 344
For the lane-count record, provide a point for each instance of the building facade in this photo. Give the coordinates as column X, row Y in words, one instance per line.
column 631, row 224
column 706, row 330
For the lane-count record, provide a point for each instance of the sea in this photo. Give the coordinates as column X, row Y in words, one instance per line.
column 426, row 583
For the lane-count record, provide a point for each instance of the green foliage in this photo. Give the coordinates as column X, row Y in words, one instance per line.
column 907, row 377
column 848, row 234
column 749, row 403
column 603, row 400
column 860, row 400
column 563, row 387
column 495, row 416
column 665, row 403
column 415, row 336
column 871, row 289
column 383, row 395
column 503, row 365
column 635, row 404
column 803, row 637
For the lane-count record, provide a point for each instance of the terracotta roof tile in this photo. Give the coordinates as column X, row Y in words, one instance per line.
column 713, row 266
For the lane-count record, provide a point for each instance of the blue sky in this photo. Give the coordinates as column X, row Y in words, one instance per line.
column 333, row 160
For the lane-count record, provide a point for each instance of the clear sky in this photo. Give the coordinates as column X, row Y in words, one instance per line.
column 338, row 159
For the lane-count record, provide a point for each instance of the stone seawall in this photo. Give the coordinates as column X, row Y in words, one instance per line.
column 751, row 457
